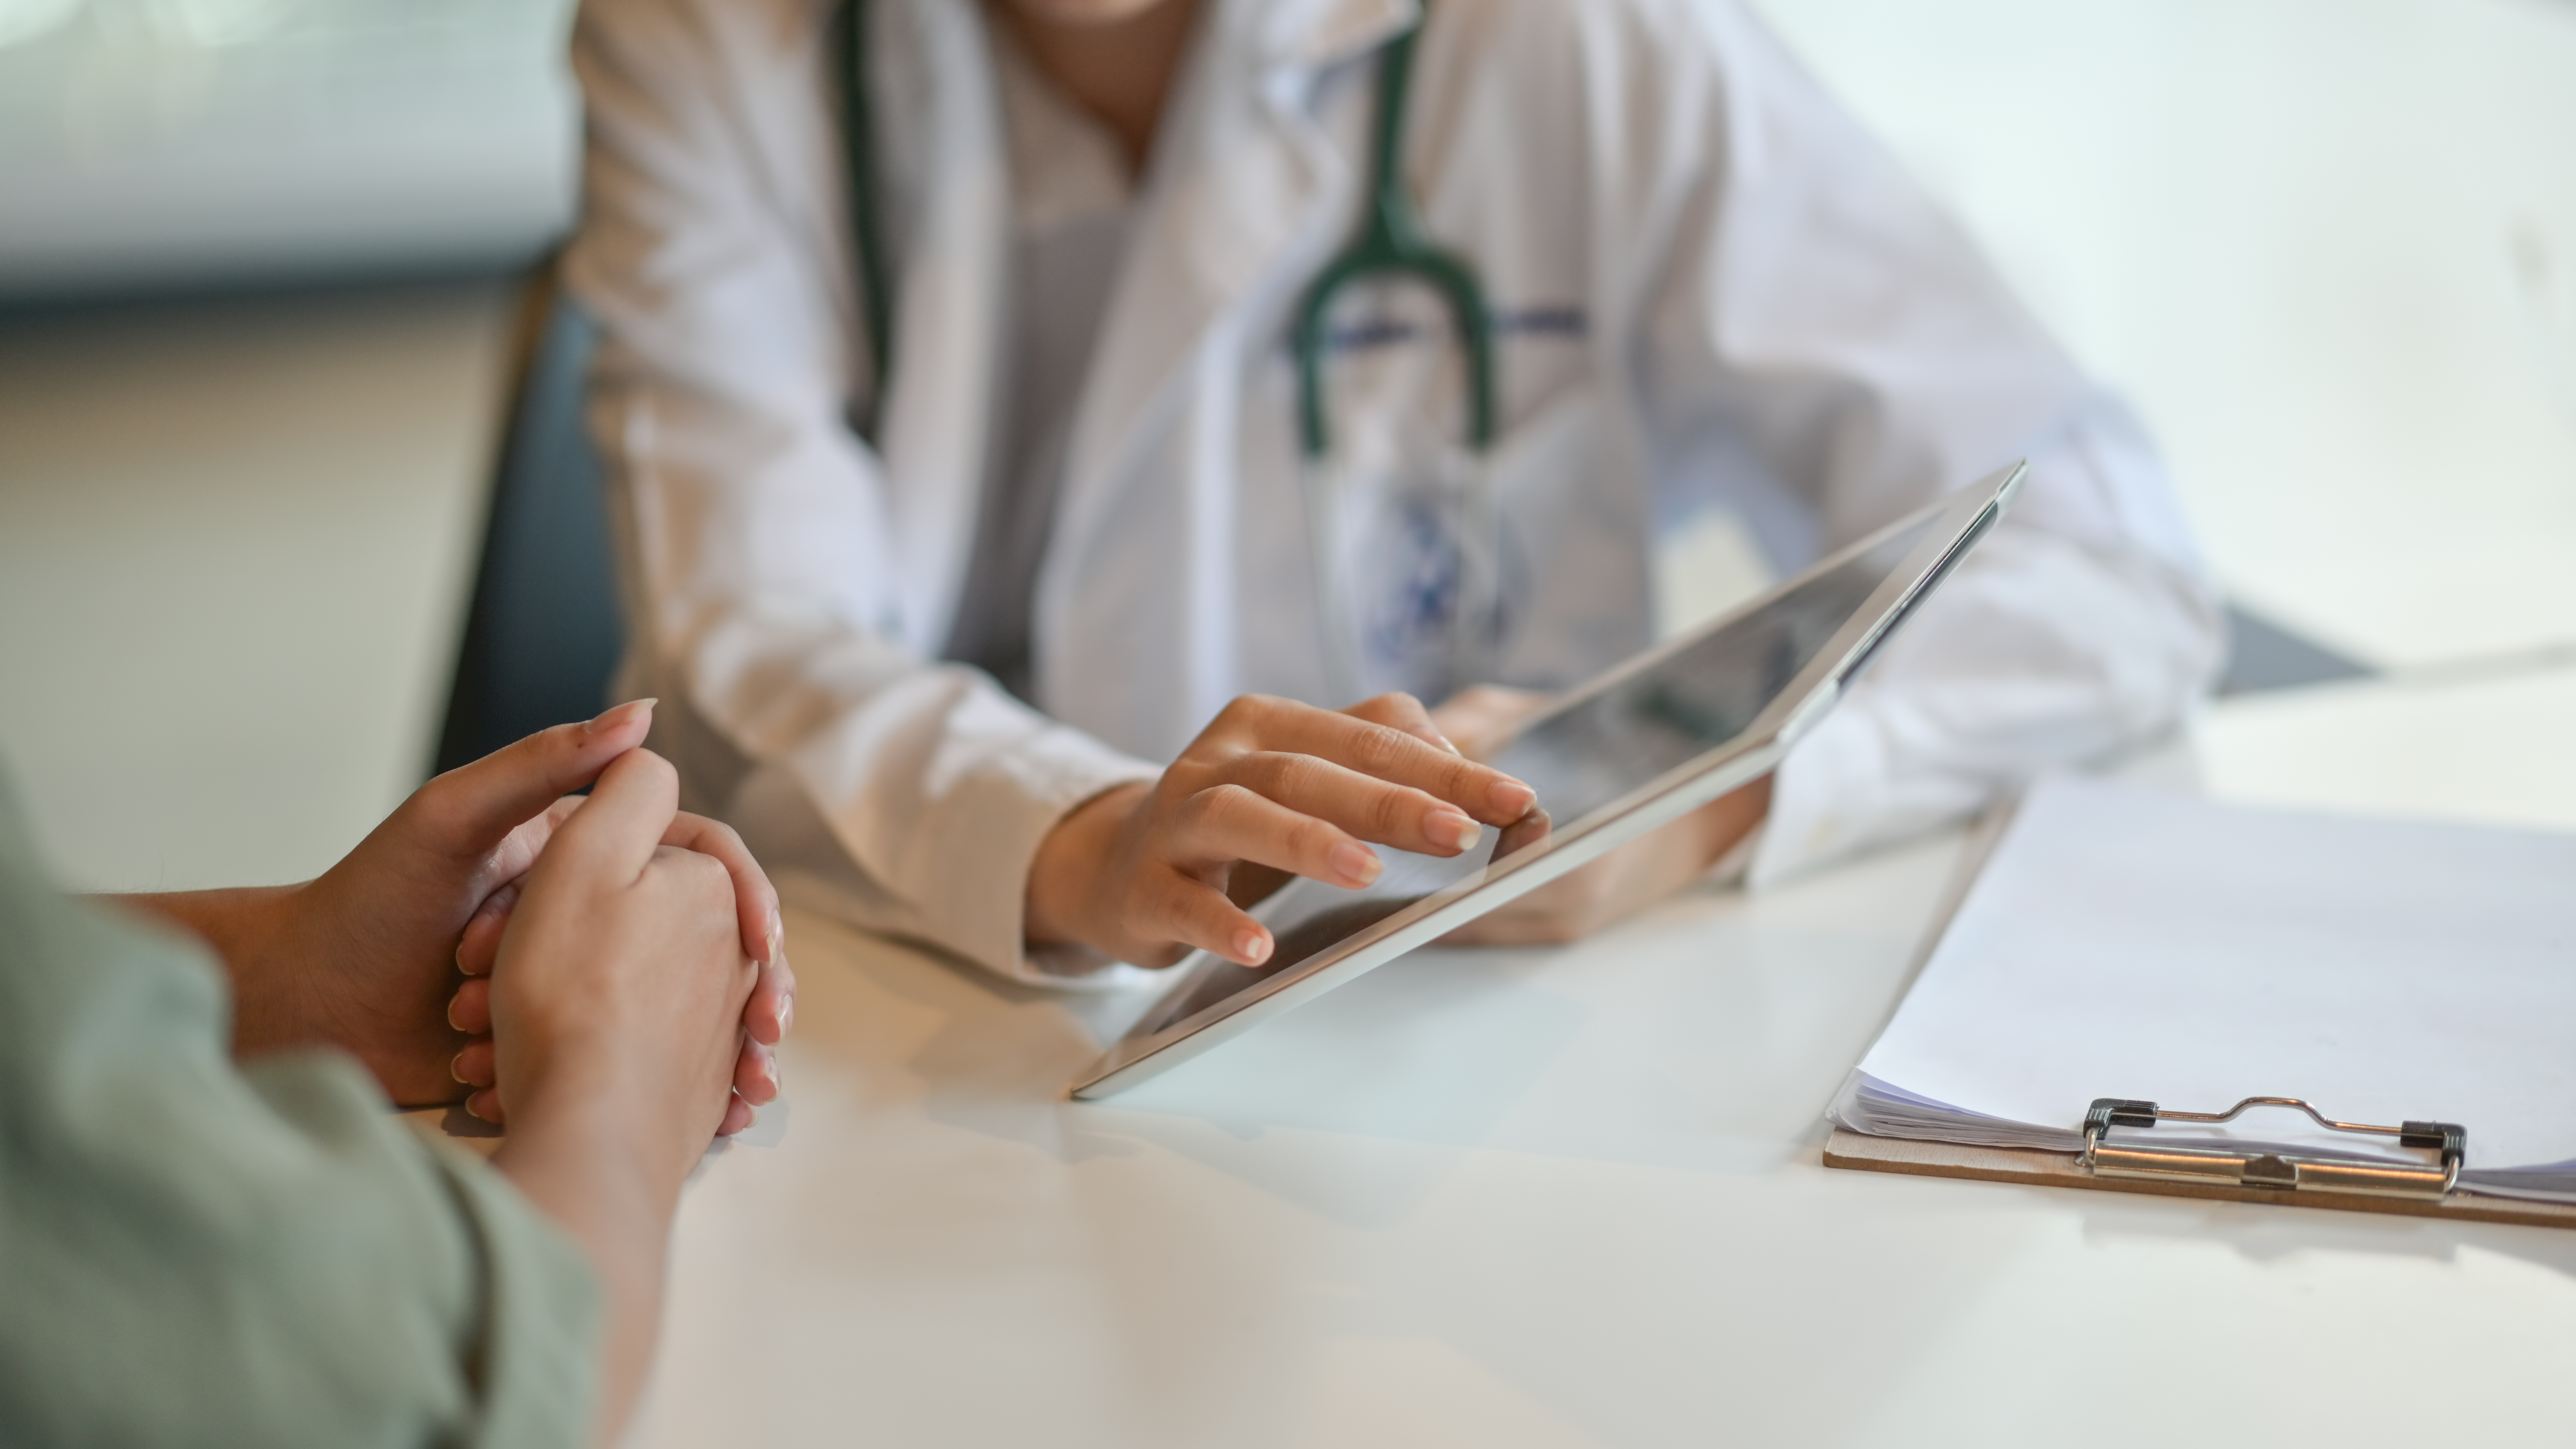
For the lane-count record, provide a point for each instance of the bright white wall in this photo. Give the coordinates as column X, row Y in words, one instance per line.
column 235, row 540
column 2328, row 246
column 196, row 142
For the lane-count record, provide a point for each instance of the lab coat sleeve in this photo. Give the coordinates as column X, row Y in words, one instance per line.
column 1806, row 329
column 195, row 1254
column 751, row 522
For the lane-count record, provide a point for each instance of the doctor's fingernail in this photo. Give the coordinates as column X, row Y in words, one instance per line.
column 609, row 719
column 1250, row 948
column 456, row 1069
column 1511, row 799
column 454, row 1002
column 1451, row 746
column 777, row 936
column 1452, row 829
column 1356, row 864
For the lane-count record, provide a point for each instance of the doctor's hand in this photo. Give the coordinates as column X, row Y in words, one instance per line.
column 1272, row 788
column 1482, row 719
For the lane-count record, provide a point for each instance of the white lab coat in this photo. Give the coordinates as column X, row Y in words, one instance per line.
column 1767, row 317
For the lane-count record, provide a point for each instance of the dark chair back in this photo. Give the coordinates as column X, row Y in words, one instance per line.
column 542, row 634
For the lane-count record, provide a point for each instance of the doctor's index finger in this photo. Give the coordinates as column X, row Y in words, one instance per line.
column 1324, row 800
column 1398, row 757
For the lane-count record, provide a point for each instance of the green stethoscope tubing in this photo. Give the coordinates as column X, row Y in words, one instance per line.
column 858, row 151
column 1392, row 242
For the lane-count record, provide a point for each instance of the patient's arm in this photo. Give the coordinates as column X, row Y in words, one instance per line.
column 365, row 957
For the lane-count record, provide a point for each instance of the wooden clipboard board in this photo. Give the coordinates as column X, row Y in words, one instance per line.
column 2058, row 1169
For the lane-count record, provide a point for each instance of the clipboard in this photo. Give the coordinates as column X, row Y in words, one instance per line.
column 2201, row 1170
column 1853, row 1150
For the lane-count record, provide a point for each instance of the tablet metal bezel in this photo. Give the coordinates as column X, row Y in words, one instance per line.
column 1961, row 521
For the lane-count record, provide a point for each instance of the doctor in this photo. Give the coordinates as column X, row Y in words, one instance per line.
column 964, row 475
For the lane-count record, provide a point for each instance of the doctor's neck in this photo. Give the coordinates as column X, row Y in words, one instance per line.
column 1115, row 58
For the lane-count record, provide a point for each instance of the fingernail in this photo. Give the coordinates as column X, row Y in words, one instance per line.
column 1451, row 746
column 1356, row 863
column 469, row 1108
column 1511, row 799
column 456, row 1069
column 610, row 719
column 454, row 1002
column 1452, row 829
column 777, row 1078
column 1250, row 947
column 786, row 1017
column 777, row 936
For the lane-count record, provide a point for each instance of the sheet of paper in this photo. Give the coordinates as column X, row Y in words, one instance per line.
column 2129, row 942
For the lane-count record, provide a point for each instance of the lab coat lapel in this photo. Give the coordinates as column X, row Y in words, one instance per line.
column 948, row 231
column 1249, row 193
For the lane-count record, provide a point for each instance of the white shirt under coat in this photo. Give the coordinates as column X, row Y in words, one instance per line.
column 1718, row 291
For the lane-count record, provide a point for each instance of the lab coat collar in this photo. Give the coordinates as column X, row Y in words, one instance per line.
column 1313, row 34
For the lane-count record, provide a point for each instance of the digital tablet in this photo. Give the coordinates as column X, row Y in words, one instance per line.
column 1650, row 741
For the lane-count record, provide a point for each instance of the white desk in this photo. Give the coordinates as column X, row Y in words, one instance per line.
column 1522, row 1198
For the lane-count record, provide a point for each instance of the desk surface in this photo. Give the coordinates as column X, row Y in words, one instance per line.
column 1520, row 1198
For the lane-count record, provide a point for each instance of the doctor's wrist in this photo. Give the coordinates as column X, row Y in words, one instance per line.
column 1069, row 876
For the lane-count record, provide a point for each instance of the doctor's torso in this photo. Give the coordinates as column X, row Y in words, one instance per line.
column 1707, row 287
column 1178, row 565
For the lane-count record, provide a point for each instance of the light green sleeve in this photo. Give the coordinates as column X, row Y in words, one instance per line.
column 194, row 1254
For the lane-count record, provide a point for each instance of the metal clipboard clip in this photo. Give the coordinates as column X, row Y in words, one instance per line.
column 2278, row 1172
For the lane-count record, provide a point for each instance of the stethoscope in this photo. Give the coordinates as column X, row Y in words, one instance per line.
column 1392, row 243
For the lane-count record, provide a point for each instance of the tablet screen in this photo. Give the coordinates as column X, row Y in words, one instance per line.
column 1585, row 756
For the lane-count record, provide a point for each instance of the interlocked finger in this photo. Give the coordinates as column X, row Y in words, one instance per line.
column 476, row 1066
column 480, row 946
column 470, row 1010
column 755, row 1074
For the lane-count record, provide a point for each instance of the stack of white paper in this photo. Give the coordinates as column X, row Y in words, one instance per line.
column 2127, row 942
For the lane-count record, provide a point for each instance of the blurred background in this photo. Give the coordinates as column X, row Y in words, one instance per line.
column 263, row 263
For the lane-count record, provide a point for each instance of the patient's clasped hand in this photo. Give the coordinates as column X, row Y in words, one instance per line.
column 605, row 972
column 368, row 956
